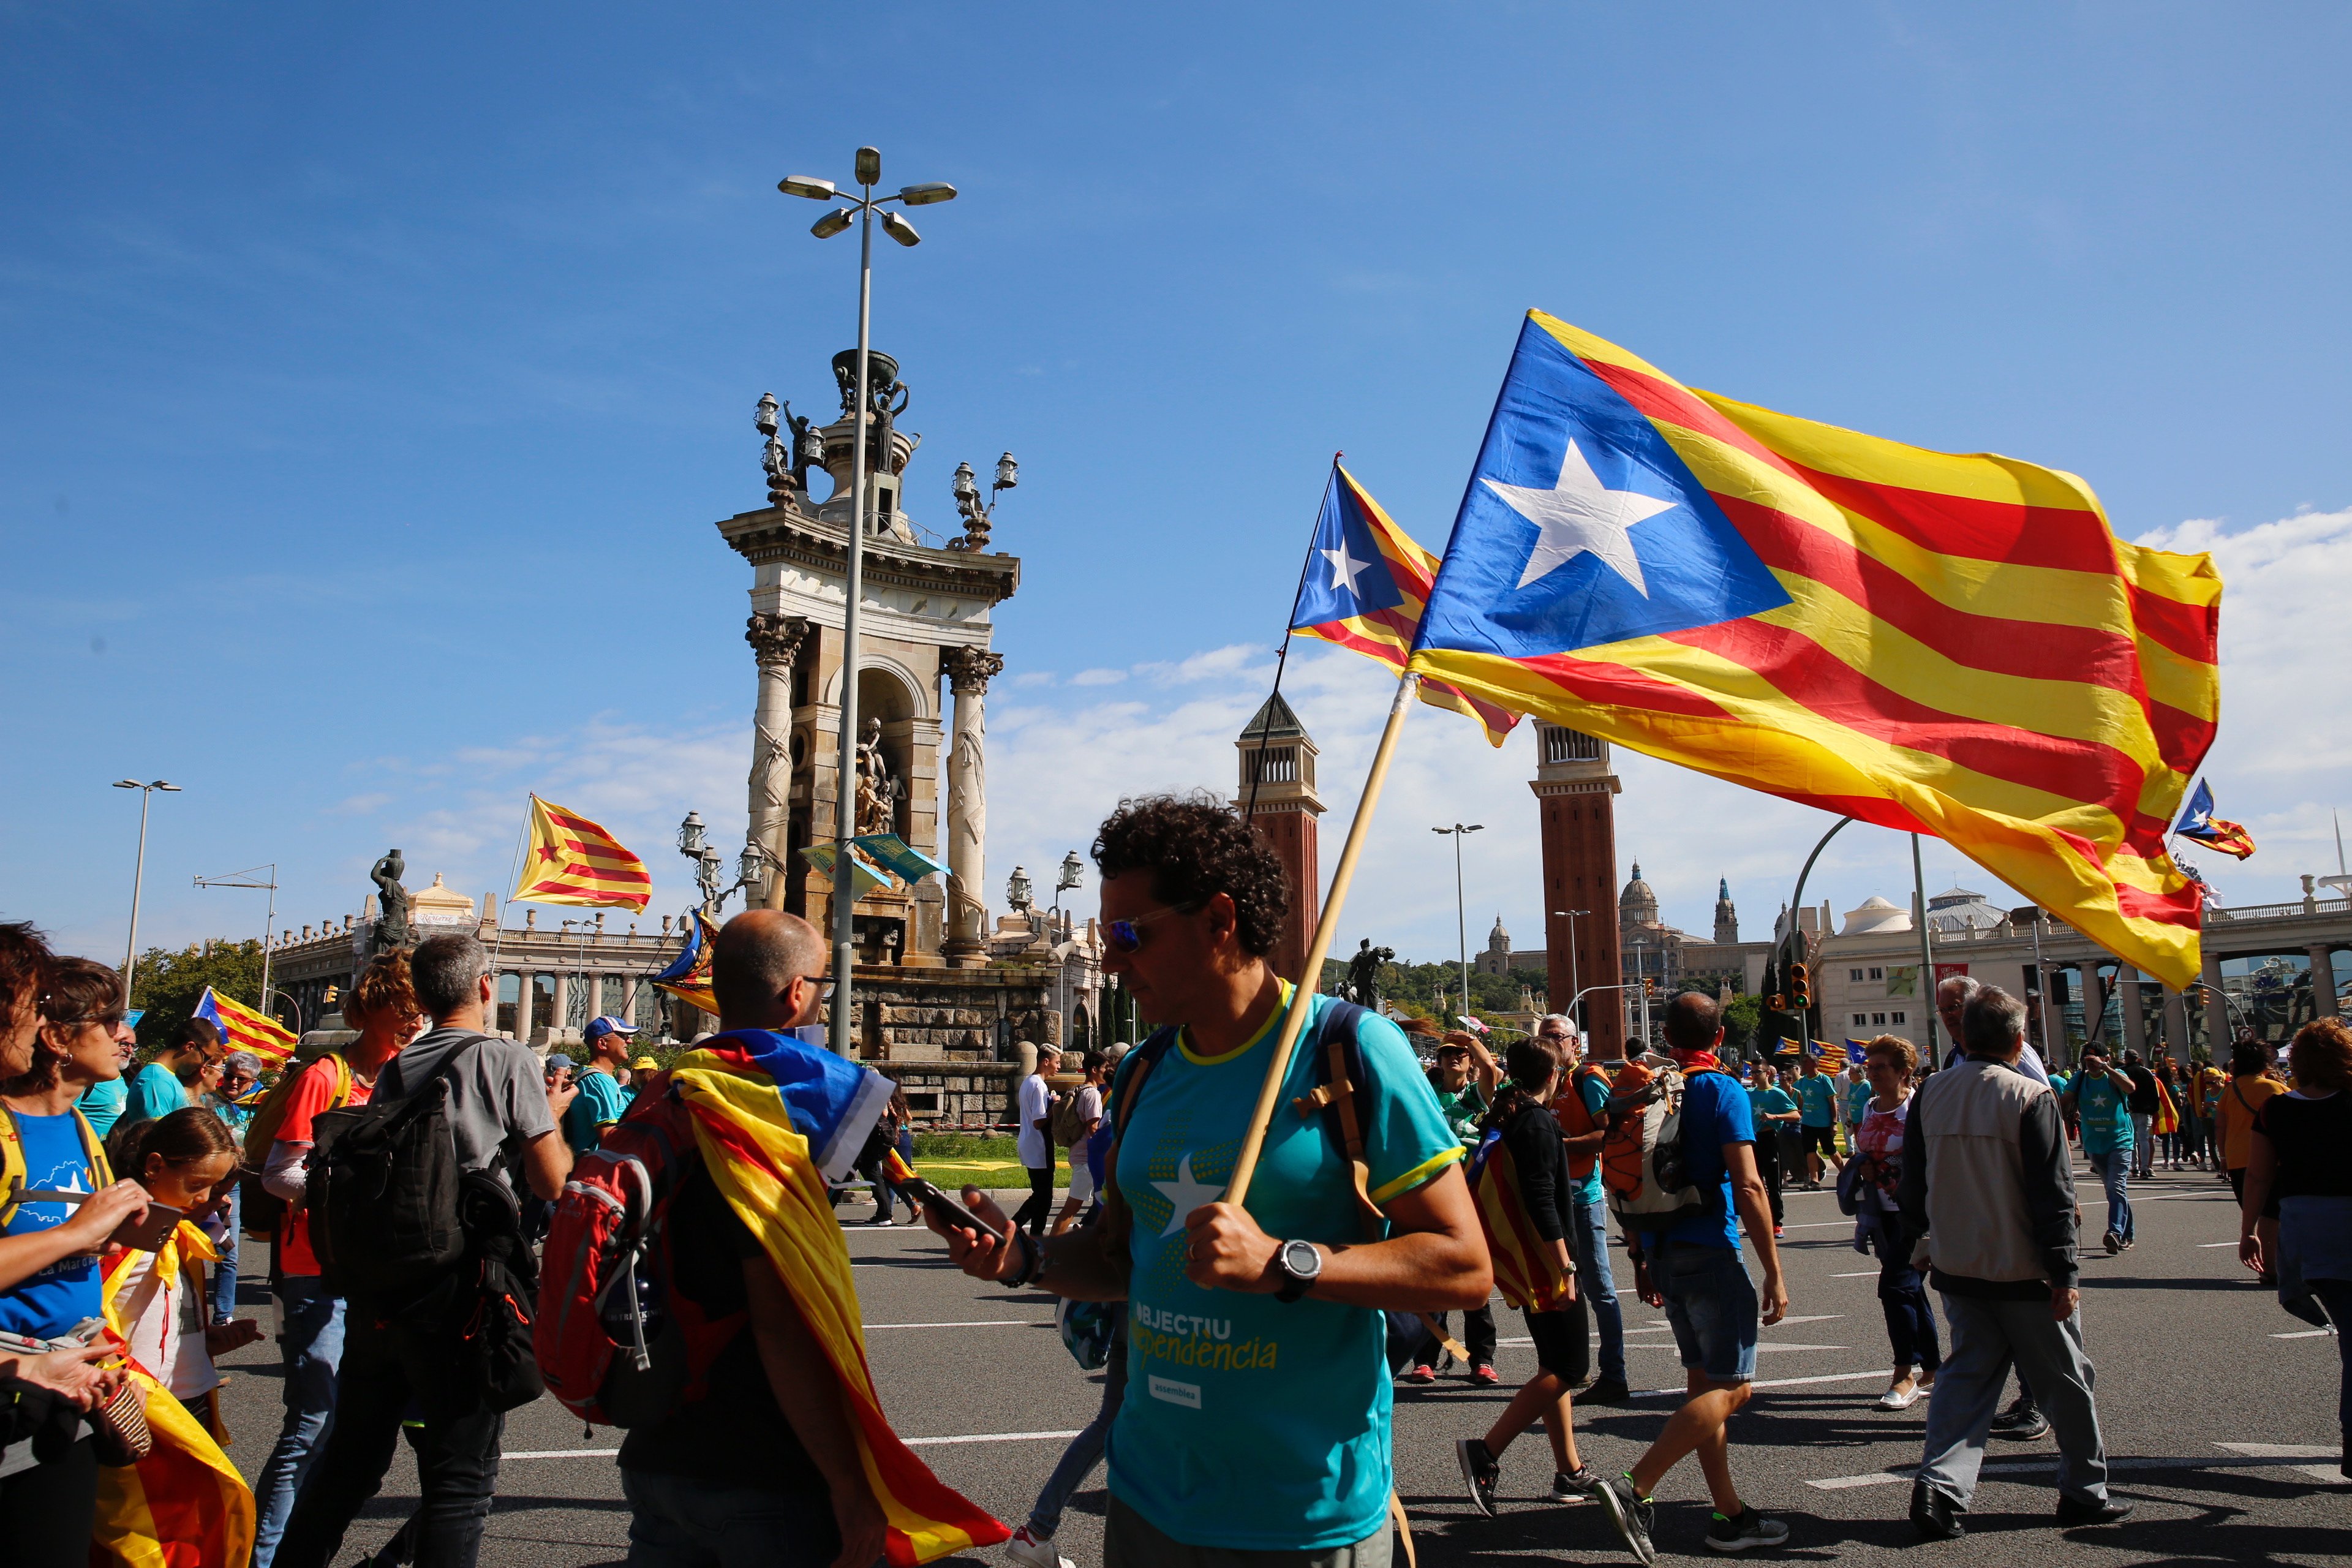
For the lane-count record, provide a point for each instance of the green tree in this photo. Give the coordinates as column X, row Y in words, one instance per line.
column 169, row 984
column 1740, row 1016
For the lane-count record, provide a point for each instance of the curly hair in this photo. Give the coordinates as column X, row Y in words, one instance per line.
column 75, row 992
column 384, row 991
column 24, row 960
column 2322, row 1054
column 1195, row 846
column 1902, row 1052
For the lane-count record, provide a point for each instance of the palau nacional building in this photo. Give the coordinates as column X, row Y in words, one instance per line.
column 951, row 999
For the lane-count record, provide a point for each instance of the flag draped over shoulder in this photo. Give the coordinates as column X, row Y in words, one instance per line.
column 571, row 860
column 185, row 1505
column 2199, row 823
column 688, row 977
column 1366, row 582
column 772, row 1115
column 1950, row 645
column 243, row 1028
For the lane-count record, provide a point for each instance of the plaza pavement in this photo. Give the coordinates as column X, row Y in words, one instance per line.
column 2219, row 1410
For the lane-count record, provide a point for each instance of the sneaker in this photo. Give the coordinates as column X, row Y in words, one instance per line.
column 2130, row 1244
column 1580, row 1486
column 1479, row 1473
column 1779, row 1231
column 2020, row 1411
column 1750, row 1529
column 1485, row 1376
column 1631, row 1516
column 1034, row 1551
column 1425, row 1373
column 2114, row 1243
column 1605, row 1390
column 2034, row 1427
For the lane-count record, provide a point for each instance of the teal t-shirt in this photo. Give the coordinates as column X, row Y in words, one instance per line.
column 156, row 1092
column 1857, row 1101
column 102, row 1104
column 601, row 1100
column 1251, row 1424
column 1817, row 1100
column 2105, row 1115
column 1773, row 1101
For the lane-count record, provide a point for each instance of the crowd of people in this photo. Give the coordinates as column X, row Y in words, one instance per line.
column 1250, row 1354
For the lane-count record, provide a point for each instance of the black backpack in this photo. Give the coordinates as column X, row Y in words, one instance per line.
column 384, row 1188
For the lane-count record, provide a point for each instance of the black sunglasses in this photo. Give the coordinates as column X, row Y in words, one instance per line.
column 1126, row 936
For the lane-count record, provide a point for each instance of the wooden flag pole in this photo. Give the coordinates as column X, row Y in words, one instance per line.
column 1269, row 1094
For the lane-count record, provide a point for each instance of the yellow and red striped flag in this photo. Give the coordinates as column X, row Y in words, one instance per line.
column 243, row 1028
column 1950, row 645
column 571, row 860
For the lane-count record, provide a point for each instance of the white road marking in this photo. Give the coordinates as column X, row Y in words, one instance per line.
column 2209, row 1246
column 1765, row 1349
column 1877, row 1373
column 2280, row 1450
column 1865, row 1274
column 2254, row 1456
column 991, row 1437
column 974, row 1323
column 564, row 1453
column 2305, row 1334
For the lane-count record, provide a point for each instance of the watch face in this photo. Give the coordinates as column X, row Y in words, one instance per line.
column 1300, row 1260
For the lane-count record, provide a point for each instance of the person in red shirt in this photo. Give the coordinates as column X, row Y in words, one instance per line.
column 383, row 1006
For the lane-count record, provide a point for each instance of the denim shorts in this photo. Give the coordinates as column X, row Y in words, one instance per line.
column 1711, row 1305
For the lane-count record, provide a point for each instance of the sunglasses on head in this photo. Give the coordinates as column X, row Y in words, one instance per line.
column 1126, row 936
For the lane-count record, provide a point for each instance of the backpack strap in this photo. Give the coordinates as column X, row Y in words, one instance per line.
column 1339, row 1064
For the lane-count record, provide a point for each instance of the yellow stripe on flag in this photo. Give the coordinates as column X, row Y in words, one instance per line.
column 572, row 861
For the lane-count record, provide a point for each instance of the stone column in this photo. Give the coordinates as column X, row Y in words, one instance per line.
column 969, row 671
column 596, row 996
column 776, row 643
column 2216, row 1011
column 2323, row 980
column 2086, row 981
column 523, row 1000
column 2135, row 1021
column 563, row 1019
column 2175, row 1023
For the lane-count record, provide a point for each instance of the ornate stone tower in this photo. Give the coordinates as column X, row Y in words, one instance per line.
column 1727, row 918
column 1577, row 800
column 925, row 623
column 1278, row 758
column 1496, row 957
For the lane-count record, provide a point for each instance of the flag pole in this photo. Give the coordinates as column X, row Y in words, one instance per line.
column 1269, row 1094
column 1282, row 655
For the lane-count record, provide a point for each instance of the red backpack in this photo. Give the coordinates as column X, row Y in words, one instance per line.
column 618, row 1344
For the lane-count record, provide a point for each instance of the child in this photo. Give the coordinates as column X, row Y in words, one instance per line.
column 156, row 1300
column 1522, row 1190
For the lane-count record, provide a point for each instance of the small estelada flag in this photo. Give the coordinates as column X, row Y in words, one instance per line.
column 571, row 860
column 2199, row 823
column 243, row 1028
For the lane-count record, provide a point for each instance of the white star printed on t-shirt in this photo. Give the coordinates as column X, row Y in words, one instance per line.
column 1345, row 569
column 1581, row 514
column 1186, row 1194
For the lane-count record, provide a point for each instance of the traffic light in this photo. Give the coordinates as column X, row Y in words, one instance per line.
column 1801, row 988
column 1776, row 1003
column 334, row 993
column 1649, row 985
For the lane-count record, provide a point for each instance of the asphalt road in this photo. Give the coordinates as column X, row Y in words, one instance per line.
column 2218, row 1410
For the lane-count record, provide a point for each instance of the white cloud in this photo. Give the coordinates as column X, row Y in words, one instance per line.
column 1098, row 677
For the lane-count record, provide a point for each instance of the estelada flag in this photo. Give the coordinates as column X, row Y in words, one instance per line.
column 243, row 1028
column 2198, row 821
column 185, row 1505
column 1365, row 583
column 1950, row 645
column 1526, row 1270
column 687, row 978
column 774, row 1118
column 571, row 860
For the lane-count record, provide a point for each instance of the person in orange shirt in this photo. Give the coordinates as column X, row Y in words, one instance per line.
column 2250, row 1084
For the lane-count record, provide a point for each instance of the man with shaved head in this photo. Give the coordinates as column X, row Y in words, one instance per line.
column 767, row 1452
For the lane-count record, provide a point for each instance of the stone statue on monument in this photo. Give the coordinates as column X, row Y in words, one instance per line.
column 1362, row 984
column 877, row 792
column 392, row 930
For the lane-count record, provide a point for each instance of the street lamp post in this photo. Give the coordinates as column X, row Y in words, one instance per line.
column 862, row 210
column 1572, row 987
column 138, row 873
column 1461, row 918
column 269, row 922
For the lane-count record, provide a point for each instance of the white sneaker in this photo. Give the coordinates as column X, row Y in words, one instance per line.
column 1027, row 1549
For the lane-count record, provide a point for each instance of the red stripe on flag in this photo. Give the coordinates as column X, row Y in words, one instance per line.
column 1620, row 686
column 2192, row 631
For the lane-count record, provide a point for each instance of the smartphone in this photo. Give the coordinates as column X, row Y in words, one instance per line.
column 949, row 1211
column 150, row 1230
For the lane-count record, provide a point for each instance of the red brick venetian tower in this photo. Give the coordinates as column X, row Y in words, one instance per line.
column 1577, row 797
column 1279, row 759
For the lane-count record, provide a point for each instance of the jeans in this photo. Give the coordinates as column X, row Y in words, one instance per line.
column 224, row 1276
column 1587, row 1241
column 2110, row 1168
column 1986, row 1335
column 2144, row 1141
column 313, row 1347
column 1903, row 1297
column 1711, row 1307
column 1085, row 1449
column 1478, row 1336
column 2335, row 1297
column 680, row 1521
column 457, row 1456
column 1040, row 1206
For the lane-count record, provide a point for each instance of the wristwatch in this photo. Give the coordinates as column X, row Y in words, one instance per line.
column 1300, row 1265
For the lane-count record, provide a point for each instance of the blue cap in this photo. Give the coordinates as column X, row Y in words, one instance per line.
column 599, row 1027
column 558, row 1059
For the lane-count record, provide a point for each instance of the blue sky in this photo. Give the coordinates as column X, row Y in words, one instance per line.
column 372, row 379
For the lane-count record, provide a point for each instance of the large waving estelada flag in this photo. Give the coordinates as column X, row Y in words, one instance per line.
column 1365, row 584
column 687, row 978
column 185, row 1505
column 774, row 1118
column 1951, row 645
column 243, row 1028
column 571, row 860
